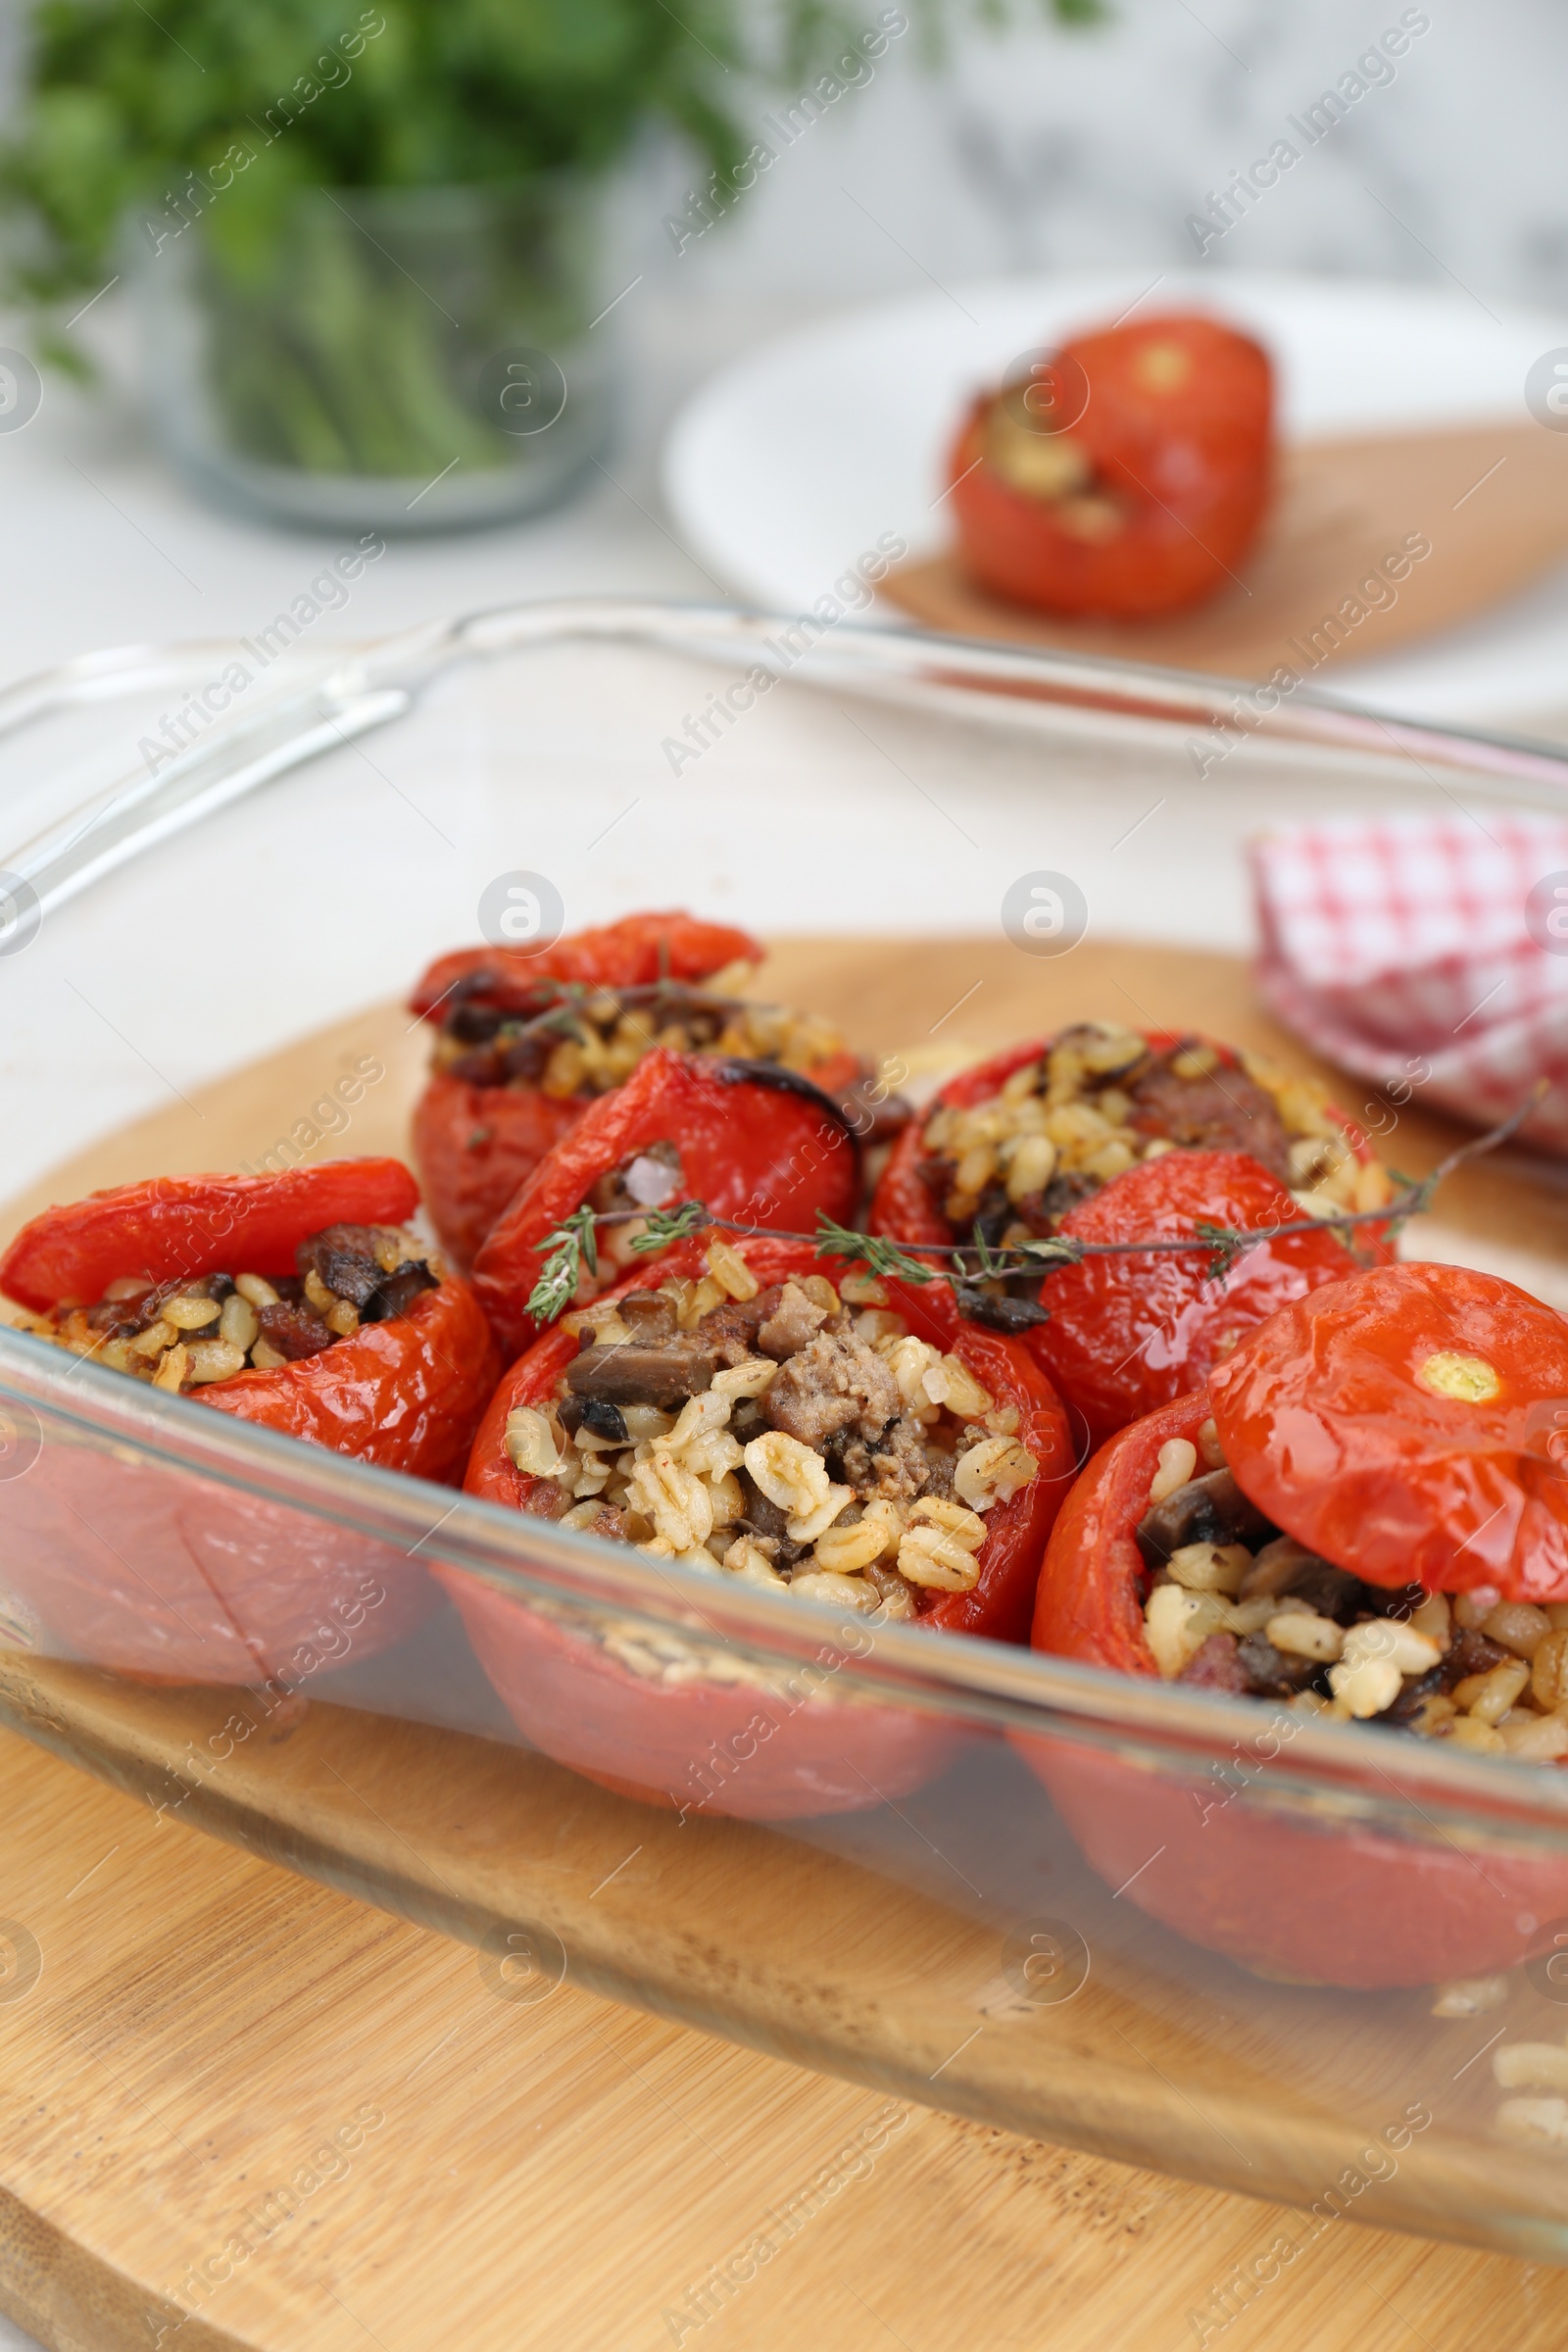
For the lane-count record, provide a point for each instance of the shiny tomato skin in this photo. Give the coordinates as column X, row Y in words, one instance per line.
column 633, row 952
column 189, row 1225
column 1128, row 1334
column 477, row 1146
column 1330, row 1428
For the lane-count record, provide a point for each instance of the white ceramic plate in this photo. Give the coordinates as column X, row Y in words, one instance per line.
column 788, row 464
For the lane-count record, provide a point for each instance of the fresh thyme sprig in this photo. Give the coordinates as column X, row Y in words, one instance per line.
column 571, row 1244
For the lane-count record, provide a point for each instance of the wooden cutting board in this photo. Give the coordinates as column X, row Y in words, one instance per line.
column 1490, row 500
column 557, row 2175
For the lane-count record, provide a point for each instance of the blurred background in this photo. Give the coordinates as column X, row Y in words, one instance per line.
column 532, row 177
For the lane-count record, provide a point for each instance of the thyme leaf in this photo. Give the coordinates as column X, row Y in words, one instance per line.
column 571, row 1248
column 1225, row 1244
column 872, row 1250
column 666, row 1225
column 1058, row 1250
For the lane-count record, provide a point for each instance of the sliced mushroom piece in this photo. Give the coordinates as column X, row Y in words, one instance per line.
column 1211, row 1509
column 999, row 1314
column 634, row 1374
column 396, row 1293
column 1274, row 1673
column 650, row 1313
column 597, row 1415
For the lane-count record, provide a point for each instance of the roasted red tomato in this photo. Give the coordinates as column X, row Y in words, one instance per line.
column 758, row 1144
column 525, row 1041
column 1108, row 1135
column 1258, row 1575
column 172, row 1225
column 744, row 1420
column 1410, row 1424
column 1129, row 1333
column 1127, row 478
column 333, row 1326
column 632, row 953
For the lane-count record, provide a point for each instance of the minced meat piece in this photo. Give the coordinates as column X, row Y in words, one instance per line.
column 1217, row 1666
column 294, row 1331
column 546, row 1499
column 894, row 1467
column 835, row 1383
column 1224, row 1110
column 732, row 1326
column 939, row 1467
column 899, row 1469
column 794, row 1323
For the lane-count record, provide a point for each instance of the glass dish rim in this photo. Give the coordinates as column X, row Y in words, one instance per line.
column 377, row 680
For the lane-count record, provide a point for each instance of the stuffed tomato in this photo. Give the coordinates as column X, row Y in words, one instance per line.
column 1104, row 1135
column 743, row 1418
column 526, row 1044
column 1127, row 478
column 751, row 1141
column 296, row 1301
column 1363, row 1519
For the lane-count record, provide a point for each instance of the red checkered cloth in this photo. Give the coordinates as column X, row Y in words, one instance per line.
column 1426, row 952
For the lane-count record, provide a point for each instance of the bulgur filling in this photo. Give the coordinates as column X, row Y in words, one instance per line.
column 1055, row 467
column 1233, row 1605
column 592, row 1039
column 797, row 1437
column 1101, row 1100
column 195, row 1330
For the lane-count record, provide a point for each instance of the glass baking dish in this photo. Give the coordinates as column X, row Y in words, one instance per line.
column 944, row 1865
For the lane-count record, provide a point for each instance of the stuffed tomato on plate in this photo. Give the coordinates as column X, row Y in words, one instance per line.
column 1125, row 476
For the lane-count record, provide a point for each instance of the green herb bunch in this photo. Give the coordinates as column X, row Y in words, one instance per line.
column 122, row 102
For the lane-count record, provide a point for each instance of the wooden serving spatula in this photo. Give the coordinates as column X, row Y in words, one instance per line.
column 1334, row 578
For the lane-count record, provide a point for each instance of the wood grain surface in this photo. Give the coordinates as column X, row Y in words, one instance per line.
column 184, row 2029
column 210, row 2041
column 1490, row 500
